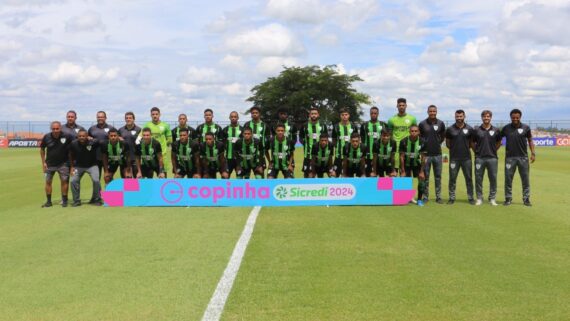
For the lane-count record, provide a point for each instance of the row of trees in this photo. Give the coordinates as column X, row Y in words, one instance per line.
column 299, row 88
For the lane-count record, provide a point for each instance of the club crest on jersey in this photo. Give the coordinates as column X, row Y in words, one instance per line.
column 520, row 130
column 161, row 128
column 88, row 147
column 106, row 130
column 492, row 132
column 77, row 130
column 407, row 121
column 508, row 166
column 133, row 132
column 478, row 166
column 465, row 131
column 63, row 140
column 452, row 165
column 435, row 127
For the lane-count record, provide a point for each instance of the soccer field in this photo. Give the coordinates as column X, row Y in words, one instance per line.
column 438, row 262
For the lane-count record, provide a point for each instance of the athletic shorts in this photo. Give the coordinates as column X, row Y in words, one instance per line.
column 412, row 171
column 148, row 172
column 321, row 171
column 212, row 172
column 182, row 172
column 231, row 165
column 307, row 165
column 354, row 172
column 62, row 170
column 273, row 173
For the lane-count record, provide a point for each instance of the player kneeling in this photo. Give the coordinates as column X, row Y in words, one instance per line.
column 281, row 154
column 384, row 155
column 185, row 156
column 115, row 155
column 322, row 158
column 149, row 156
column 354, row 158
column 213, row 159
column 249, row 156
column 412, row 159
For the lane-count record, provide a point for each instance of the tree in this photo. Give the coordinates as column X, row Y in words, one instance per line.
column 299, row 88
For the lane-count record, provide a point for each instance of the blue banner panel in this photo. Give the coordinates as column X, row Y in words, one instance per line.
column 263, row 192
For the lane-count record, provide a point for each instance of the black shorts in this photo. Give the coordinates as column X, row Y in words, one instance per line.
column 337, row 165
column 273, row 173
column 183, row 172
column 354, row 171
column 368, row 167
column 245, row 172
column 231, row 163
column 307, row 165
column 412, row 171
column 148, row 172
column 383, row 171
column 320, row 171
column 211, row 172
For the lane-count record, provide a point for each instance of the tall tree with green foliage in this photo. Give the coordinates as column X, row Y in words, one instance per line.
column 299, row 88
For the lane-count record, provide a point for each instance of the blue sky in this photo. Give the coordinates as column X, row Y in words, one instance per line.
column 185, row 56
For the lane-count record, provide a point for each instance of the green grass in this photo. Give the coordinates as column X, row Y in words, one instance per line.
column 439, row 262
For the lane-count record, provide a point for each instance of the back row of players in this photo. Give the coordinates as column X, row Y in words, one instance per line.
column 369, row 150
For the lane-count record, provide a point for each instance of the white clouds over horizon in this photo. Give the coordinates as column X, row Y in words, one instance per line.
column 122, row 55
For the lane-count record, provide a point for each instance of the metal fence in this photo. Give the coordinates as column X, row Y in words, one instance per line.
column 36, row 129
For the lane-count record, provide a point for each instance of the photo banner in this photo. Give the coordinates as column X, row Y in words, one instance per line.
column 259, row 192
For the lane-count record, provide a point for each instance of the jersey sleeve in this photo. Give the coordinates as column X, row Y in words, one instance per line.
column 43, row 144
column 390, row 123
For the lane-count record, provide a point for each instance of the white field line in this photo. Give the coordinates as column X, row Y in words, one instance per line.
column 218, row 301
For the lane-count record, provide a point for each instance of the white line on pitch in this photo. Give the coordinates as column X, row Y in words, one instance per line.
column 218, row 301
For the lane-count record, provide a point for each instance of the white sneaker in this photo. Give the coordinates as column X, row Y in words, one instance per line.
column 479, row 202
column 413, row 201
column 493, row 202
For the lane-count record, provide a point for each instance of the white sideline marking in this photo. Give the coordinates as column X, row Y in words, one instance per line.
column 218, row 301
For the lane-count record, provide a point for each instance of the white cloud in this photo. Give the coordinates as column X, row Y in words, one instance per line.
column 270, row 40
column 45, row 55
column 306, row 11
column 202, row 76
column 9, row 45
column 269, row 66
column 68, row 73
column 233, row 62
column 88, row 21
column 235, row 89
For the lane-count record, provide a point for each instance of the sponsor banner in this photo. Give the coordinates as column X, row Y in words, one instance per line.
column 544, row 141
column 563, row 141
column 3, row 143
column 23, row 143
column 276, row 192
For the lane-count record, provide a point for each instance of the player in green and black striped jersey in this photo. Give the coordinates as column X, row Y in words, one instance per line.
column 384, row 155
column 341, row 136
column 291, row 131
column 213, row 158
column 370, row 134
column 249, row 154
column 115, row 155
column 182, row 124
column 322, row 158
column 185, row 156
column 231, row 134
column 413, row 159
column 148, row 154
column 281, row 151
column 259, row 129
column 354, row 158
column 208, row 127
column 309, row 137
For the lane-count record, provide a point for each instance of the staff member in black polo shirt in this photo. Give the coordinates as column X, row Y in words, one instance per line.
column 83, row 156
column 100, row 132
column 458, row 140
column 432, row 131
column 54, row 150
column 71, row 128
column 486, row 142
column 519, row 138
column 129, row 133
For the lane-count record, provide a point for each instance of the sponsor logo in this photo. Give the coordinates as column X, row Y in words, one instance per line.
column 3, row 143
column 313, row 192
column 24, row 143
column 172, row 192
column 544, row 141
column 563, row 141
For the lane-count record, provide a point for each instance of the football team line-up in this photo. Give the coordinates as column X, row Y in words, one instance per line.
column 400, row 147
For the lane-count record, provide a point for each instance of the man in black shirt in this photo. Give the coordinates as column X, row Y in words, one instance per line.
column 149, row 156
column 83, row 156
column 413, row 159
column 213, row 158
column 458, row 140
column 71, row 128
column 486, row 141
column 249, row 155
column 182, row 124
column 322, row 162
column 231, row 134
column 185, row 156
column 115, row 155
column 54, row 154
column 432, row 131
column 354, row 158
column 281, row 153
column 100, row 132
column 129, row 134
column 519, row 138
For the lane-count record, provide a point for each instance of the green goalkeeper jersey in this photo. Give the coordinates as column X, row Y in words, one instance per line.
column 400, row 126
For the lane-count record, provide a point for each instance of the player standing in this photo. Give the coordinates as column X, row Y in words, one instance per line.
column 401, row 123
column 486, row 142
column 209, row 127
column 432, row 132
column 54, row 153
column 160, row 131
column 231, row 134
column 370, row 134
column 100, row 132
column 458, row 140
column 71, row 128
column 183, row 124
column 309, row 136
column 129, row 133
